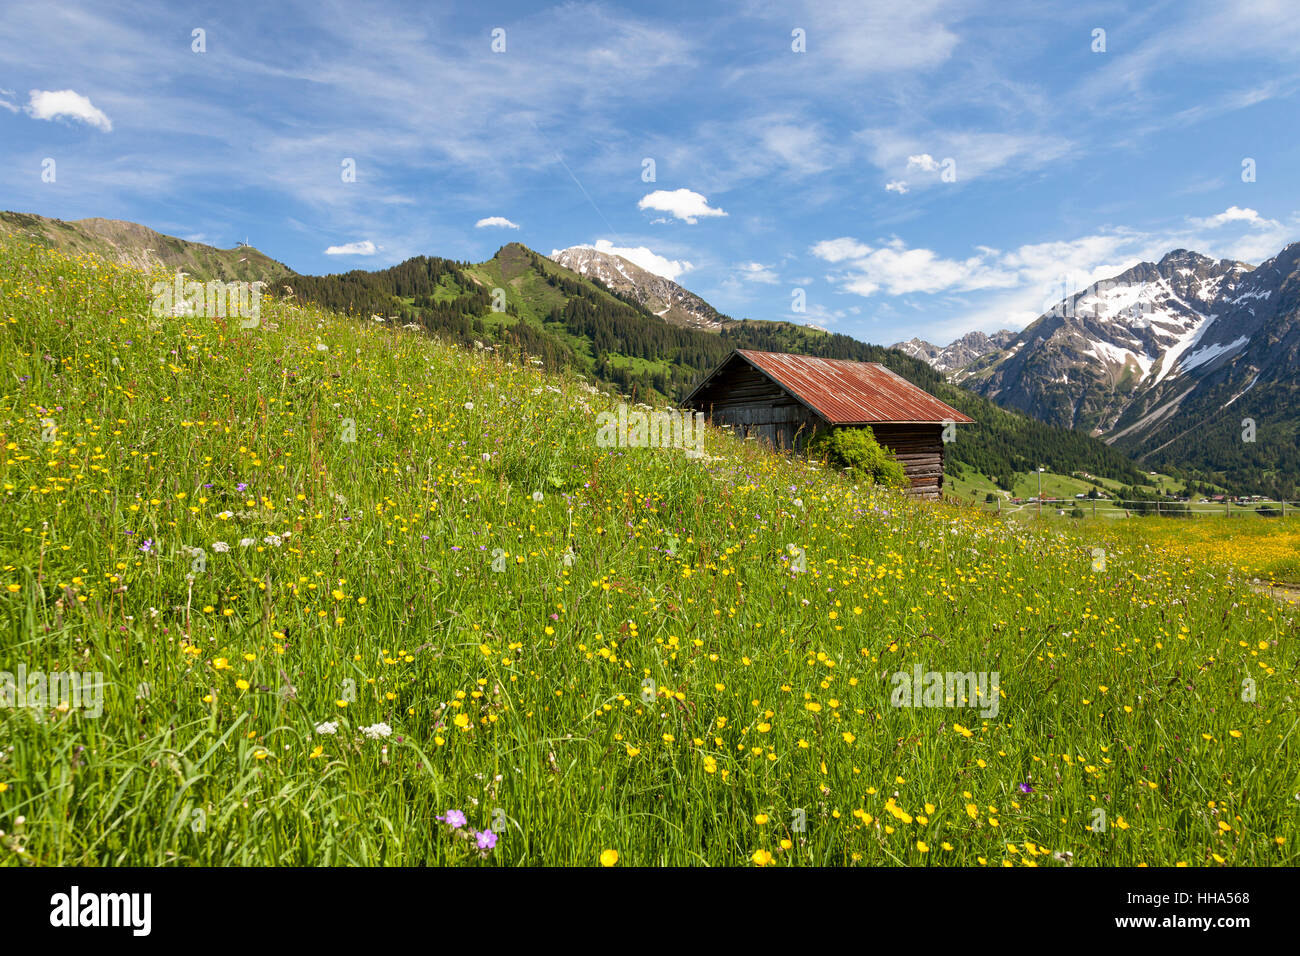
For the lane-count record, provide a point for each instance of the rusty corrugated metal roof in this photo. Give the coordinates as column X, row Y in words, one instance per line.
column 852, row 393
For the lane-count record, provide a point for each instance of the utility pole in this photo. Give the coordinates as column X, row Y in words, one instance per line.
column 1040, row 491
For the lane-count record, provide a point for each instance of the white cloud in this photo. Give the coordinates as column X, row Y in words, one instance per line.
column 896, row 186
column 56, row 104
column 362, row 248
column 501, row 221
column 1234, row 214
column 1029, row 280
column 757, row 272
column 837, row 250
column 681, row 204
column 899, row 270
column 924, row 162
column 640, row 256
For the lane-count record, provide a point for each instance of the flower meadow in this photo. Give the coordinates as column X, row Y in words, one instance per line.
column 359, row 597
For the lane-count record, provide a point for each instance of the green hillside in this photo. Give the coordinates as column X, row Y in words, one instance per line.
column 128, row 243
column 343, row 583
column 569, row 321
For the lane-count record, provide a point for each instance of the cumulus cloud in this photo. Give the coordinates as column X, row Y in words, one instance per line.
column 681, row 204
column 1234, row 214
column 67, row 104
column 501, row 221
column 899, row 270
column 896, row 186
column 924, row 162
column 837, row 250
column 640, row 256
column 363, row 248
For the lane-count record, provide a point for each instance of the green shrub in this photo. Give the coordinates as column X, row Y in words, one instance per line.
column 856, row 451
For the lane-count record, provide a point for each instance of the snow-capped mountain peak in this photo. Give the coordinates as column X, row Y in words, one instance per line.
column 661, row 296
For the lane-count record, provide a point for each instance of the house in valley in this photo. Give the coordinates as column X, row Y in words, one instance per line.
column 782, row 399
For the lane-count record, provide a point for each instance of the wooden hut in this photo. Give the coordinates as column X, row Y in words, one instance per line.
column 783, row 399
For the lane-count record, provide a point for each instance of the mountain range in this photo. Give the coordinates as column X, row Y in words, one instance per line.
column 958, row 355
column 131, row 244
column 1144, row 366
column 1189, row 363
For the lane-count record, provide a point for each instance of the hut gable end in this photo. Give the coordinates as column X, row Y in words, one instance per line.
column 741, row 396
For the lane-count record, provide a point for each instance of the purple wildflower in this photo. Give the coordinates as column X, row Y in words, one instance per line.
column 1025, row 788
column 486, row 840
column 454, row 819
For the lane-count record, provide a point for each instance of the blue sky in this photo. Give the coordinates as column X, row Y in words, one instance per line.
column 774, row 170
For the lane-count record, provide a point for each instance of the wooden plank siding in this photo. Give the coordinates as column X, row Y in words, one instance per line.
column 919, row 449
column 756, row 407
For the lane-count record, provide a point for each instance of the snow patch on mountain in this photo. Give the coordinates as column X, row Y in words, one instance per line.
column 661, row 296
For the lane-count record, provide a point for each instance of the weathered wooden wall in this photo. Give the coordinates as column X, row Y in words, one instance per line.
column 919, row 449
column 750, row 402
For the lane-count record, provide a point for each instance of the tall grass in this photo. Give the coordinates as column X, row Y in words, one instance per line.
column 583, row 649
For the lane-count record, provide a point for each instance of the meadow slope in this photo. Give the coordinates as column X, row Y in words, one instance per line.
column 341, row 579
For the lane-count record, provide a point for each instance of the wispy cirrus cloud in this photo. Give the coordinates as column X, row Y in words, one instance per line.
column 944, row 155
column 1050, row 143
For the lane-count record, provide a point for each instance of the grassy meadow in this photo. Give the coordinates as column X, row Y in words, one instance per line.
column 359, row 597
